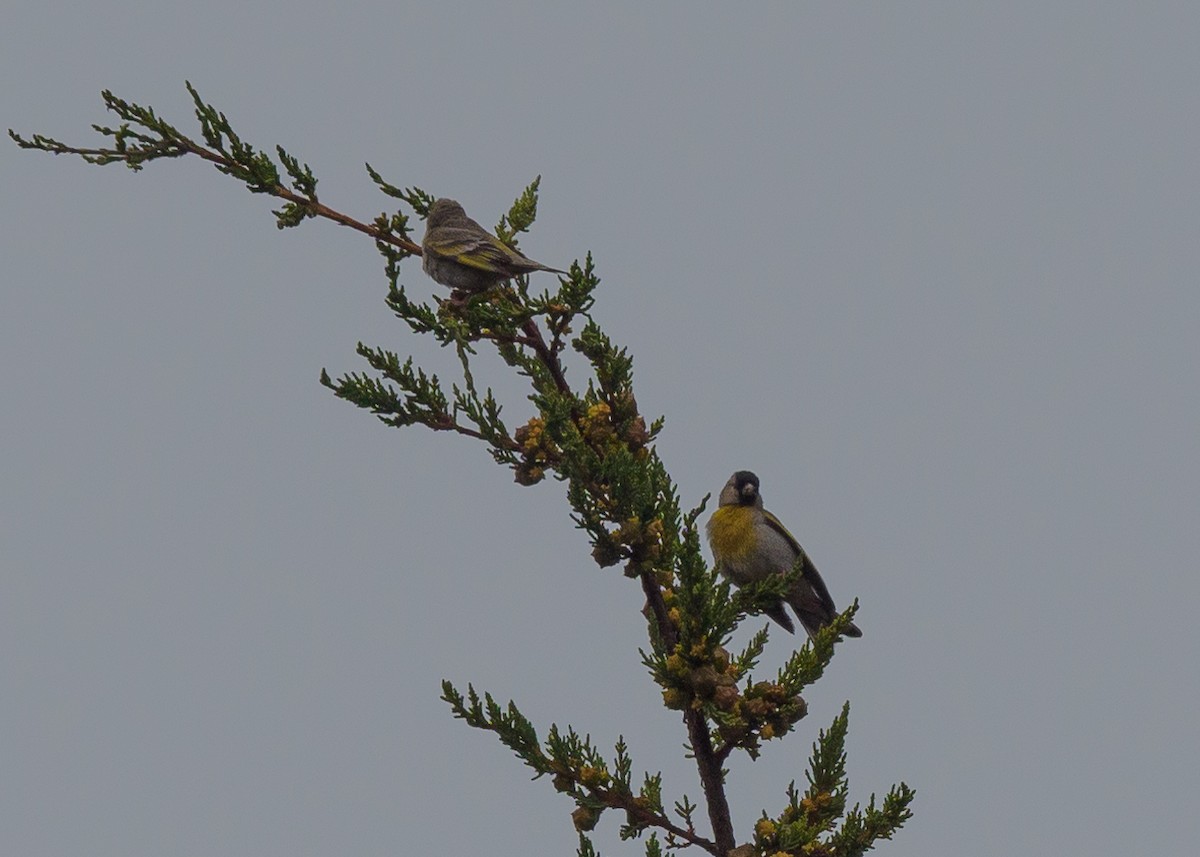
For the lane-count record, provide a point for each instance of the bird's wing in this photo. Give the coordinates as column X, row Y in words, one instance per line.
column 477, row 251
column 811, row 576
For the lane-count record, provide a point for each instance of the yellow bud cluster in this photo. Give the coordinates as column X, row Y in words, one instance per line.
column 597, row 427
column 606, row 425
column 593, row 777
column 764, row 711
column 530, row 434
column 699, row 675
column 675, row 699
column 642, row 543
column 814, row 805
column 606, row 551
column 764, row 830
column 538, row 452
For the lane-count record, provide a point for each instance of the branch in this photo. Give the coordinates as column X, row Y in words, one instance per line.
column 708, row 762
column 225, row 150
column 577, row 768
column 548, row 357
column 310, row 205
column 647, row 817
column 712, row 779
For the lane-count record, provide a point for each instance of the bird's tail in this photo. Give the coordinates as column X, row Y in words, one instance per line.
column 779, row 614
column 814, row 622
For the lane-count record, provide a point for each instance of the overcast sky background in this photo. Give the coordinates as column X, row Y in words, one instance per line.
column 929, row 270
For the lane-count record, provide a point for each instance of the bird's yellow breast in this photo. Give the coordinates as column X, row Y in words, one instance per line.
column 731, row 532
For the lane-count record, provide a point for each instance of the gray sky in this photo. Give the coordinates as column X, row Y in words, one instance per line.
column 929, row 270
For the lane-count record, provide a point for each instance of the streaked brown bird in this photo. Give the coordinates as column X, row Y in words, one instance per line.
column 459, row 253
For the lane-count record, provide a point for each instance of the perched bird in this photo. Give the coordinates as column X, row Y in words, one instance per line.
column 749, row 543
column 459, row 253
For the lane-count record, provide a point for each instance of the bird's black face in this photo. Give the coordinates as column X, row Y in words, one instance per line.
column 746, row 484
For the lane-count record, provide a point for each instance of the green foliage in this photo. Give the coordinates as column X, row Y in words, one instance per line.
column 521, row 216
column 586, row 849
column 577, row 769
column 808, row 824
column 593, row 437
column 864, row 827
column 130, row 146
column 143, row 137
column 414, row 196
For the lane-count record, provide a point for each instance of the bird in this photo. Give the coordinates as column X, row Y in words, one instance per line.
column 459, row 253
column 749, row 543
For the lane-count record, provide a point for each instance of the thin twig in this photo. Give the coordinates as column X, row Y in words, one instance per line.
column 317, row 208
